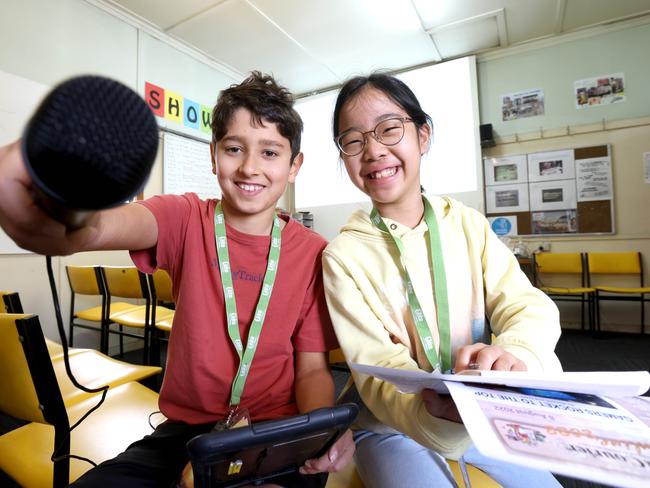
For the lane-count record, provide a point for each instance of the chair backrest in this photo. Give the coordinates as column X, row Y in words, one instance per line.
column 29, row 387
column 162, row 287
column 559, row 262
column 615, row 263
column 28, row 383
column 84, row 280
column 125, row 282
column 10, row 302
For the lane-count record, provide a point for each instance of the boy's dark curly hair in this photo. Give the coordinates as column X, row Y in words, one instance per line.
column 266, row 101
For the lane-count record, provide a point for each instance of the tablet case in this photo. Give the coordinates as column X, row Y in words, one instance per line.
column 262, row 451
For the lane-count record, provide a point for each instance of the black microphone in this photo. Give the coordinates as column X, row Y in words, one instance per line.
column 90, row 145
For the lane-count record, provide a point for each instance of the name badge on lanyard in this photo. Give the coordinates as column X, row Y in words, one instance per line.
column 440, row 290
column 247, row 353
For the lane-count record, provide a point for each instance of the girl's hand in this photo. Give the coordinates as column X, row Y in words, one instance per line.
column 441, row 406
column 482, row 356
column 335, row 459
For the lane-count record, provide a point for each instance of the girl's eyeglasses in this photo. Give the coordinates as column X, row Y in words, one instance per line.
column 388, row 132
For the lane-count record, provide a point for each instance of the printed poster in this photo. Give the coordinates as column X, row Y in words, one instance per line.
column 594, row 179
column 600, row 90
column 517, row 105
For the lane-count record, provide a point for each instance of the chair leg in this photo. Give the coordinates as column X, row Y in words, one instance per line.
column 121, row 341
column 61, row 469
column 642, row 315
column 146, row 352
column 71, row 335
column 582, row 313
column 597, row 311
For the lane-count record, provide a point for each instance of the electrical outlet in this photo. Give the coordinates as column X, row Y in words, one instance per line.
column 544, row 246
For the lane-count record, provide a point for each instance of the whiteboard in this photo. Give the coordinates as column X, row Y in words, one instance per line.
column 19, row 97
column 187, row 167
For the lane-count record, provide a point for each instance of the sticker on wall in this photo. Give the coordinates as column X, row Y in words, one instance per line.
column 504, row 226
column 600, row 90
column 528, row 103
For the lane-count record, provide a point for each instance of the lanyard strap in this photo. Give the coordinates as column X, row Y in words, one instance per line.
column 440, row 290
column 245, row 355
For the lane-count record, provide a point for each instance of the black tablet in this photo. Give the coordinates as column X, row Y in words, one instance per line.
column 265, row 450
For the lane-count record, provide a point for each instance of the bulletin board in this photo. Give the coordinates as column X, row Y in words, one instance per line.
column 560, row 192
column 187, row 166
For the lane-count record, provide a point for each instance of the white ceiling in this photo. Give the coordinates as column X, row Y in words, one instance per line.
column 314, row 44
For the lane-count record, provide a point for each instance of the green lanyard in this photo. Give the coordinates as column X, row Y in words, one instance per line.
column 440, row 290
column 245, row 356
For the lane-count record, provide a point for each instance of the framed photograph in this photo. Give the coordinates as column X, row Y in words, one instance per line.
column 506, row 170
column 594, row 179
column 552, row 165
column 528, row 103
column 553, row 195
column 555, row 222
column 507, row 198
column 599, row 90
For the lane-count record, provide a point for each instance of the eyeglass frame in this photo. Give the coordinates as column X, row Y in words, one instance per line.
column 403, row 120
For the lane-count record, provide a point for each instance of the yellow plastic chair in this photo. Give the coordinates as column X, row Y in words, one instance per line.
column 161, row 286
column 622, row 265
column 129, row 282
column 10, row 302
column 31, row 392
column 571, row 265
column 86, row 280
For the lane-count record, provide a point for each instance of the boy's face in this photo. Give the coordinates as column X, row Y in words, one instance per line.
column 253, row 165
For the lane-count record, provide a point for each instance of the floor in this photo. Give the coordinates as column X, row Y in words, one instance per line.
column 578, row 351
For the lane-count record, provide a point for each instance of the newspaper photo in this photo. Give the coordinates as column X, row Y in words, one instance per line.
column 597, row 438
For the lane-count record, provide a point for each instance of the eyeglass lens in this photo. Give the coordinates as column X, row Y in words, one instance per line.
column 388, row 132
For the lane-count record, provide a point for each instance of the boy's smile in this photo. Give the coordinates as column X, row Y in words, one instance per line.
column 253, row 165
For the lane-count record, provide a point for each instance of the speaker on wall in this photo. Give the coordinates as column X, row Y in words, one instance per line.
column 487, row 137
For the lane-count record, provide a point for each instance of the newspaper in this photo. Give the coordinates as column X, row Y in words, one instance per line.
column 596, row 438
column 610, row 383
column 589, row 425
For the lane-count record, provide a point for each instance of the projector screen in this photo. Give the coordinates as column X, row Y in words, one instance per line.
column 448, row 93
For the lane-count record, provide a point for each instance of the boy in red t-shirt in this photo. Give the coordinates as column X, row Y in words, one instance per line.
column 246, row 284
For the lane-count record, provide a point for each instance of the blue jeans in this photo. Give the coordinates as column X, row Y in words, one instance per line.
column 395, row 461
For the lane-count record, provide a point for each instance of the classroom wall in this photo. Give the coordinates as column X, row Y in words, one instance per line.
column 555, row 67
column 50, row 40
column 625, row 126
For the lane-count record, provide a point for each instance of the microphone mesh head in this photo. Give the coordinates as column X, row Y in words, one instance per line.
column 91, row 143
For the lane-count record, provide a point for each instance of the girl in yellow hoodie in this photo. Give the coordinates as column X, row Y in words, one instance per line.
column 410, row 285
